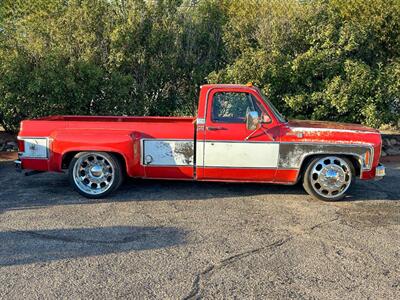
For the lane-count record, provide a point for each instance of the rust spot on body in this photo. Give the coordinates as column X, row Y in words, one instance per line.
column 187, row 150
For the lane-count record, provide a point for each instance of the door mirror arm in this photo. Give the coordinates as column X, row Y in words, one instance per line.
column 253, row 123
column 251, row 134
column 267, row 133
column 264, row 130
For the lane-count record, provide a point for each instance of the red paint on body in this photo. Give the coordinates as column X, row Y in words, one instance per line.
column 239, row 174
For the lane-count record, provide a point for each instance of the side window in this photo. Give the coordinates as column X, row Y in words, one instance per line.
column 232, row 107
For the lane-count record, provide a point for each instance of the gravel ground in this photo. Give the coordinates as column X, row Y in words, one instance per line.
column 184, row 240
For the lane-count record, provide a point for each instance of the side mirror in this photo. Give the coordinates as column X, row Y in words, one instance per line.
column 252, row 120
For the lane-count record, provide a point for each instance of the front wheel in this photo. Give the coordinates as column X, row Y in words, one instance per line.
column 328, row 178
column 95, row 174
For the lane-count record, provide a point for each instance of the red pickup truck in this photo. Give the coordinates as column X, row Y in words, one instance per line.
column 238, row 135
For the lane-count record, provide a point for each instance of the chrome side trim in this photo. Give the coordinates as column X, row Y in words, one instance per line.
column 242, row 142
column 312, row 129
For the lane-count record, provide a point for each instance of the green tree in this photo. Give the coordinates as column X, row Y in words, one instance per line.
column 321, row 59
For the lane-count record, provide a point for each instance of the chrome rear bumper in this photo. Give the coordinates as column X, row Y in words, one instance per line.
column 380, row 172
column 18, row 165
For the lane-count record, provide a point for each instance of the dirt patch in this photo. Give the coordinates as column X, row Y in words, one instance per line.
column 378, row 214
column 390, row 159
column 5, row 156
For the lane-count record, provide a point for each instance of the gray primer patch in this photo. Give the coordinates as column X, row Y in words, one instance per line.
column 291, row 155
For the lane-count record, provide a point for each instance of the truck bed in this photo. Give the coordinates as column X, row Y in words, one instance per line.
column 116, row 119
column 156, row 127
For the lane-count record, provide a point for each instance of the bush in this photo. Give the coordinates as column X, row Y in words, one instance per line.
column 330, row 60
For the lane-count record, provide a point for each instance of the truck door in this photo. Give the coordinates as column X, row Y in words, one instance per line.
column 229, row 150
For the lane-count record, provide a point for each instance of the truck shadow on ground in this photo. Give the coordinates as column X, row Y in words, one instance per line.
column 24, row 247
column 21, row 192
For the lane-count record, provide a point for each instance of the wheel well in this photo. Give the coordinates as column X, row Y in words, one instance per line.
column 353, row 159
column 67, row 158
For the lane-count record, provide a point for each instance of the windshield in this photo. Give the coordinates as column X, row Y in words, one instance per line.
column 277, row 114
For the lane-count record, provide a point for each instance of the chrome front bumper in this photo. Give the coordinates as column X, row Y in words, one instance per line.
column 380, row 172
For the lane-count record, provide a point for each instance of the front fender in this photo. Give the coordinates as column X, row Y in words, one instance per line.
column 292, row 155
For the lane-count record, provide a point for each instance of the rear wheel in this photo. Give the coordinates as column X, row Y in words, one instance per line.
column 328, row 178
column 95, row 174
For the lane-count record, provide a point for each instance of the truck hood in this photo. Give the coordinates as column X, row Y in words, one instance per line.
column 301, row 125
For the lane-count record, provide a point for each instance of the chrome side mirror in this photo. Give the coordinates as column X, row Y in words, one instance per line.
column 252, row 120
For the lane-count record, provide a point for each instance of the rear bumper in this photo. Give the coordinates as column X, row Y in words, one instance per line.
column 34, row 164
column 18, row 165
column 380, row 172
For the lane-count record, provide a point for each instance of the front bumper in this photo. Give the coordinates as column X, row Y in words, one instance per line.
column 380, row 172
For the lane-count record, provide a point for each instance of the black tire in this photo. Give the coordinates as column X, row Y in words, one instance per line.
column 93, row 189
column 311, row 186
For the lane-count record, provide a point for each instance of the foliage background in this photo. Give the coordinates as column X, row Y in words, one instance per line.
column 320, row 59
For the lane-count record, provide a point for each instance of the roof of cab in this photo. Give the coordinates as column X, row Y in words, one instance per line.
column 227, row 85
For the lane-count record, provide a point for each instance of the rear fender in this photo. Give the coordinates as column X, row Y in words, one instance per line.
column 63, row 143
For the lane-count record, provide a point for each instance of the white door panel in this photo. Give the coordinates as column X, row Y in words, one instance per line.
column 200, row 153
column 241, row 154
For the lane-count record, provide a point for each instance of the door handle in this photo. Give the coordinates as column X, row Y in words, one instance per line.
column 215, row 128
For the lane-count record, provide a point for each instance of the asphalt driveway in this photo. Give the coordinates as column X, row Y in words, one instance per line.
column 180, row 240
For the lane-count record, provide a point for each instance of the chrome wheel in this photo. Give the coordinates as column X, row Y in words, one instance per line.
column 93, row 173
column 330, row 177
